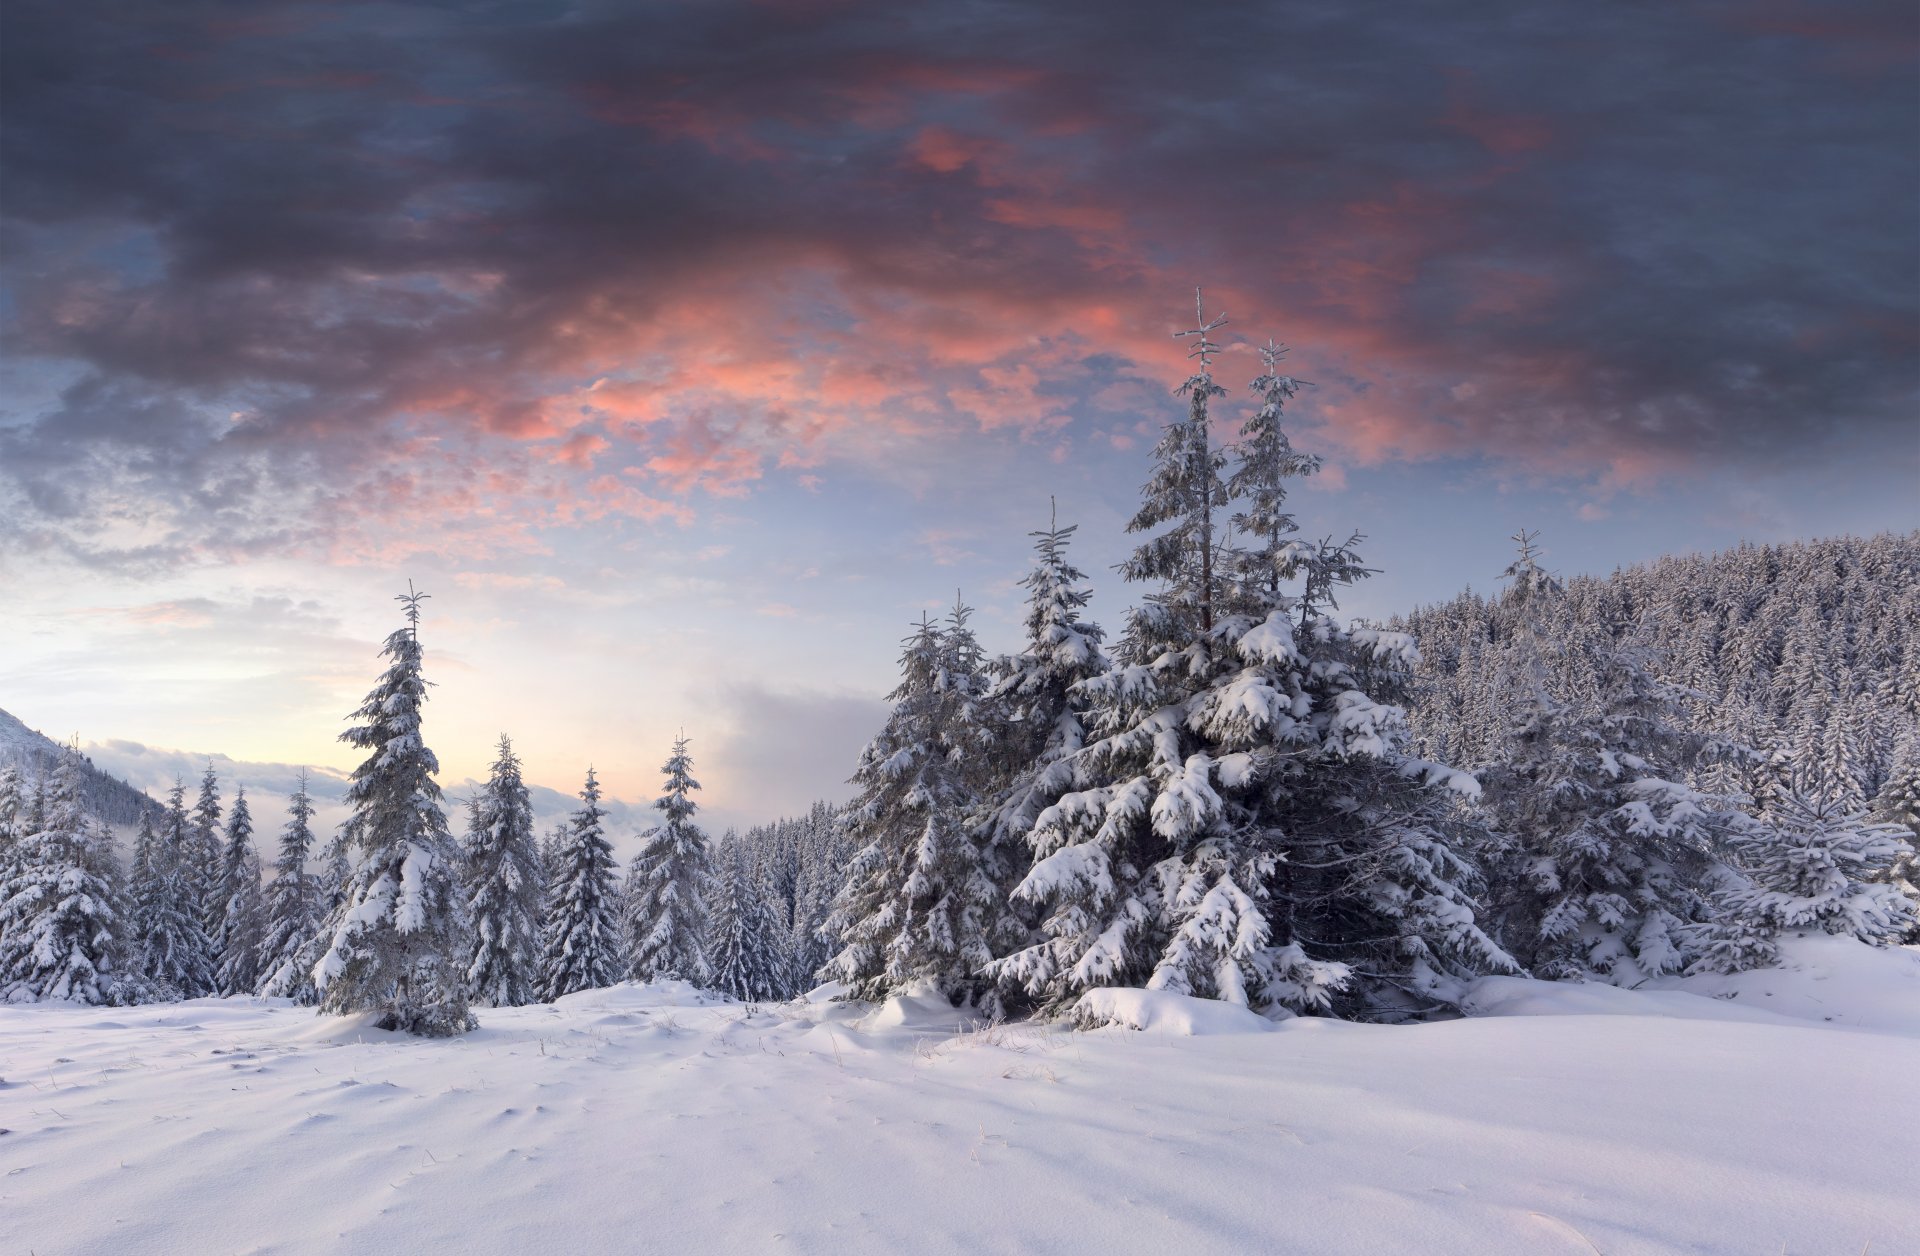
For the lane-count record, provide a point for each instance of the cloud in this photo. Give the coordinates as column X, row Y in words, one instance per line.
column 281, row 286
column 784, row 748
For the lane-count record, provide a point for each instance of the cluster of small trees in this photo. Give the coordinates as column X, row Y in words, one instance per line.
column 400, row 919
column 1228, row 802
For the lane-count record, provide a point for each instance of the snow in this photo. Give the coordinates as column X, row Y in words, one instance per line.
column 1567, row 1119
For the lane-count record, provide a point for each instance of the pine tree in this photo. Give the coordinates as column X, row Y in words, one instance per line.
column 245, row 920
column 399, row 945
column 61, row 914
column 175, row 951
column 205, row 865
column 668, row 884
column 12, row 812
column 744, row 961
column 919, row 903
column 1247, row 824
column 1608, row 852
column 504, row 889
column 824, row 856
column 1182, row 492
column 293, row 909
column 1265, row 463
column 1817, row 866
column 1037, row 703
column 583, row 915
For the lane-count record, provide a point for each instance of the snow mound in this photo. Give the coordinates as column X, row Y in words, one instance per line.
column 1835, row 981
column 1162, row 1012
column 1524, row 996
column 921, row 1008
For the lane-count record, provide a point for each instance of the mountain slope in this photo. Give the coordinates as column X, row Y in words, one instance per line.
column 108, row 798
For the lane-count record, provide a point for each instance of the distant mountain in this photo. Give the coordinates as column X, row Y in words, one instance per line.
column 107, row 797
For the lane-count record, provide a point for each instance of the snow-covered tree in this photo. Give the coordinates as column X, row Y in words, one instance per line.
column 583, row 911
column 294, row 917
column 504, row 888
column 1606, row 852
column 1184, row 489
column 205, row 864
column 399, row 943
column 61, row 914
column 919, row 903
column 1815, row 866
column 1038, row 710
column 1246, row 823
column 1266, row 463
column 668, row 884
column 1898, row 803
column 741, row 943
column 175, row 950
column 13, row 810
column 244, row 922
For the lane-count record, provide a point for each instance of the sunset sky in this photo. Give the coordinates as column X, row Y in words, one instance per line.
column 685, row 352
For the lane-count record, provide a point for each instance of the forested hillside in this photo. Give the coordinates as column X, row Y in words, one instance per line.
column 1808, row 651
column 107, row 798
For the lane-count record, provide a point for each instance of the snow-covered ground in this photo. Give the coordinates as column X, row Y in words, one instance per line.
column 654, row 1119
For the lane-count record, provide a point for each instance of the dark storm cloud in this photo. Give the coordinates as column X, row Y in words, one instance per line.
column 288, row 243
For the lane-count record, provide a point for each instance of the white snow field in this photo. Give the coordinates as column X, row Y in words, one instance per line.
column 1573, row 1119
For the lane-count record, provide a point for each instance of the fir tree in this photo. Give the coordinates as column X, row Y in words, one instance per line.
column 744, row 961
column 1246, row 824
column 1266, row 463
column 668, row 884
column 13, row 811
column 205, row 865
column 175, row 951
column 61, row 915
column 1037, row 702
column 919, row 903
column 399, row 944
column 582, row 926
column 1817, row 866
column 244, row 920
column 293, row 909
column 1898, row 803
column 504, row 888
column 1182, row 492
column 1608, row 851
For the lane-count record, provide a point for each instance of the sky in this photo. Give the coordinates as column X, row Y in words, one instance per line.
column 686, row 353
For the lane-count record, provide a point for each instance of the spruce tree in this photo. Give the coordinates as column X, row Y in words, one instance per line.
column 583, row 917
column 293, row 909
column 668, row 885
column 13, row 809
column 244, row 922
column 205, row 864
column 1607, row 852
column 742, row 955
column 175, row 951
column 61, row 915
column 1246, row 824
column 399, row 944
column 1037, row 703
column 919, row 902
column 1898, row 804
column 504, row 888
column 1814, row 865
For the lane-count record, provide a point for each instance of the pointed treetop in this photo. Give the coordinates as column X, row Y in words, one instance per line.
column 411, row 599
column 1204, row 348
